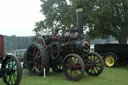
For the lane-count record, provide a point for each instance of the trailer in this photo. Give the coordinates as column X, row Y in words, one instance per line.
column 113, row 54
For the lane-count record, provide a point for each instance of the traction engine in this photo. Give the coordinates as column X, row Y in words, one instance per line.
column 68, row 52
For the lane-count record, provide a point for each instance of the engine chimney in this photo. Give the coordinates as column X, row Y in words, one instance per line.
column 79, row 11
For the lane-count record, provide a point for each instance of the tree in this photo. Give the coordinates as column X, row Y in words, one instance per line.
column 55, row 12
column 110, row 18
column 102, row 17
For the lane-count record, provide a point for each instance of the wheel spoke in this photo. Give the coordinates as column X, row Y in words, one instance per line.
column 73, row 74
column 33, row 68
column 97, row 69
column 14, row 77
column 76, row 61
column 37, row 54
column 13, row 66
column 9, row 79
column 78, row 73
column 98, row 62
column 69, row 72
column 94, row 70
column 37, row 69
column 91, row 71
column 96, row 58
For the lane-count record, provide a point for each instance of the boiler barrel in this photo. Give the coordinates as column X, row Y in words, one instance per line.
column 81, row 46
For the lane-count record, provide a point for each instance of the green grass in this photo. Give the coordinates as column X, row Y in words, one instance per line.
column 110, row 76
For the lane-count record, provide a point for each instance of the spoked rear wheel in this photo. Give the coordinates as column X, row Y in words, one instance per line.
column 13, row 70
column 94, row 65
column 73, row 67
column 36, row 59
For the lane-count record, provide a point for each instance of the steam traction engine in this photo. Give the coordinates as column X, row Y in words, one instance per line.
column 10, row 67
column 68, row 52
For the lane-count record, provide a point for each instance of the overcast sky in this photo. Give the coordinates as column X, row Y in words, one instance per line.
column 18, row 17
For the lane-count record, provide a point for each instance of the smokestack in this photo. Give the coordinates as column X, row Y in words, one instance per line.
column 79, row 11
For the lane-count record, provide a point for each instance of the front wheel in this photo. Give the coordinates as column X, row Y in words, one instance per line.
column 12, row 70
column 94, row 64
column 73, row 67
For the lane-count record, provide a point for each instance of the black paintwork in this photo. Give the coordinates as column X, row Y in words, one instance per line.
column 120, row 50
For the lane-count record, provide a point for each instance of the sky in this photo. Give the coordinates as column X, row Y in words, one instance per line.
column 18, row 17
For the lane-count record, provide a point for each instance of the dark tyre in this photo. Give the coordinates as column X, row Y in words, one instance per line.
column 110, row 60
column 94, row 64
column 73, row 67
column 37, row 59
column 13, row 70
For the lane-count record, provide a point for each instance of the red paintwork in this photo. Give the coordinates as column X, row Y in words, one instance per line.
column 1, row 45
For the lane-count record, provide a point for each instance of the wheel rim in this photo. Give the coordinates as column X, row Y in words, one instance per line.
column 73, row 68
column 109, row 61
column 94, row 64
column 34, row 60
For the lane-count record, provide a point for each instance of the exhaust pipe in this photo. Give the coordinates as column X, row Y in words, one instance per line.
column 79, row 11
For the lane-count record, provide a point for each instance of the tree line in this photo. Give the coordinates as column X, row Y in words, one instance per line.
column 12, row 43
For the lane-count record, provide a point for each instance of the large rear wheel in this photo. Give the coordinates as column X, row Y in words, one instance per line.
column 12, row 70
column 73, row 67
column 37, row 59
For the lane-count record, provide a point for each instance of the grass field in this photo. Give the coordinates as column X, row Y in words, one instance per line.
column 110, row 76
